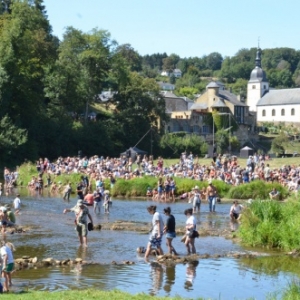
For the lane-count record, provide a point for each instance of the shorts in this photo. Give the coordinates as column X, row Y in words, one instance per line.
column 3, row 223
column 197, row 205
column 154, row 241
column 97, row 204
column 235, row 215
column 159, row 190
column 82, row 229
column 8, row 268
column 170, row 235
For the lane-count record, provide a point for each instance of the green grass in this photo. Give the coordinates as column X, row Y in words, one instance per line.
column 272, row 224
column 83, row 295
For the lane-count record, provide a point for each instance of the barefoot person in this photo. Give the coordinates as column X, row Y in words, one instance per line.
column 211, row 193
column 156, row 231
column 169, row 230
column 17, row 204
column 190, row 227
column 7, row 263
column 81, row 213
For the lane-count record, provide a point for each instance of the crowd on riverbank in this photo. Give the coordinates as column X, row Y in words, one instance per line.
column 98, row 170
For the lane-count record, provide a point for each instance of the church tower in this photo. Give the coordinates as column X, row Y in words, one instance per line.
column 258, row 84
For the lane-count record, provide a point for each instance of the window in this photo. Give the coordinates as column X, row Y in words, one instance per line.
column 253, row 87
column 264, row 87
column 292, row 111
column 282, row 112
column 264, row 113
column 273, row 113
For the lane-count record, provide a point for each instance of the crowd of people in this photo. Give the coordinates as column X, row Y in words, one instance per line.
column 96, row 170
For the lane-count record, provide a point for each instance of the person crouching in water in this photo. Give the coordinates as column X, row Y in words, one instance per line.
column 156, row 231
column 81, row 212
column 235, row 211
column 169, row 230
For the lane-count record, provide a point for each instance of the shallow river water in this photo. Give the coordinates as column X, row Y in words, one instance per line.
column 53, row 235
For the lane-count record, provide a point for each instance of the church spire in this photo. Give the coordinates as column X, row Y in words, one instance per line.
column 258, row 58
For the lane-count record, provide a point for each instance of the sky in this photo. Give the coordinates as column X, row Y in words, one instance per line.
column 188, row 28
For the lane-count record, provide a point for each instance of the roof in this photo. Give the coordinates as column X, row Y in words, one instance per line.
column 212, row 84
column 198, row 106
column 219, row 103
column 226, row 95
column 258, row 75
column 280, row 97
column 168, row 94
column 186, row 99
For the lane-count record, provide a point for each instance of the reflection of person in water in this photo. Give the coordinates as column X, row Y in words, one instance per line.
column 170, row 278
column 190, row 274
column 157, row 277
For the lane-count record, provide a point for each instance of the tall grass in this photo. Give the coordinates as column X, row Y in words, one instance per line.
column 257, row 189
column 271, row 224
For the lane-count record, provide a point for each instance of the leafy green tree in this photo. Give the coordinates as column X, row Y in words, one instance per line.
column 279, row 143
column 11, row 138
column 81, row 71
column 132, row 58
column 188, row 92
column 172, row 144
column 222, row 138
column 170, row 62
column 139, row 106
column 214, row 61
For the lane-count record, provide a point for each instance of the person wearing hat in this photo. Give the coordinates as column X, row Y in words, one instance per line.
column 81, row 214
column 196, row 199
column 211, row 194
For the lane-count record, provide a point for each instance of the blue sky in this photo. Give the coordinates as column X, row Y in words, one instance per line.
column 186, row 27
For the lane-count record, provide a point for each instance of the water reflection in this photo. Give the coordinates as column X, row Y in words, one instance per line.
column 170, row 278
column 157, row 275
column 190, row 274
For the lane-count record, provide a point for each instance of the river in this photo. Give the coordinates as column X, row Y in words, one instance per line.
column 53, row 235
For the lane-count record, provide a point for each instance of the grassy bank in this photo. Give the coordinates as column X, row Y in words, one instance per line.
column 137, row 187
column 291, row 292
column 272, row 224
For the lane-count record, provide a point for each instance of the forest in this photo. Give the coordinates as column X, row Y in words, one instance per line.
column 50, row 89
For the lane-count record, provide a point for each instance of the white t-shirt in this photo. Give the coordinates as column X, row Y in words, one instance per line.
column 157, row 217
column 7, row 251
column 191, row 221
column 17, row 203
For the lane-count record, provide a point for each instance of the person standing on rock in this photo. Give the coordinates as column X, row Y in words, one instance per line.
column 81, row 214
column 156, row 232
column 169, row 230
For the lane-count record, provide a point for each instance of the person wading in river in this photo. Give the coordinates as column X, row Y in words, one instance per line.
column 81, row 213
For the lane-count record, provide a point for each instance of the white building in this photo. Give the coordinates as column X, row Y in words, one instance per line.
column 271, row 105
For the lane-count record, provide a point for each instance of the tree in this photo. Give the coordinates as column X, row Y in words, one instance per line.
column 11, row 137
column 132, row 58
column 139, row 106
column 279, row 143
column 81, row 71
column 214, row 61
column 170, row 62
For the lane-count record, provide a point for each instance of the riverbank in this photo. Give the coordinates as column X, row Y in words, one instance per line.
column 137, row 187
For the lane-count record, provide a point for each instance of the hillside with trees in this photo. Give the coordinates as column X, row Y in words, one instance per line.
column 50, row 99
